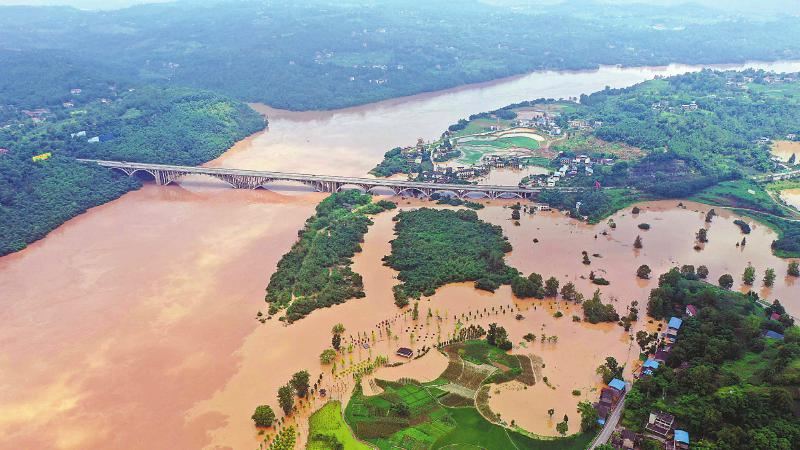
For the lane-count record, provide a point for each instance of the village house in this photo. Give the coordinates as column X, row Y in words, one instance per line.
column 662, row 354
column 75, row 91
column 689, row 107
column 660, row 424
column 649, row 367
column 68, row 104
column 681, row 440
column 673, row 326
column 3, row 151
column 691, row 311
column 769, row 334
column 78, row 134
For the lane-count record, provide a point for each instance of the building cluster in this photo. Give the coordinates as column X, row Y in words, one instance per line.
column 665, row 106
column 545, row 122
column 660, row 425
column 571, row 166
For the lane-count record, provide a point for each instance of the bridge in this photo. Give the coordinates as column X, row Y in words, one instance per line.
column 254, row 179
column 777, row 176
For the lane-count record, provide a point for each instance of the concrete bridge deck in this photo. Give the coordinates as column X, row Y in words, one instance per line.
column 252, row 179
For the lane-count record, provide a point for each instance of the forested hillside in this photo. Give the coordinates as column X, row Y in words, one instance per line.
column 179, row 126
column 699, row 128
column 726, row 383
column 322, row 54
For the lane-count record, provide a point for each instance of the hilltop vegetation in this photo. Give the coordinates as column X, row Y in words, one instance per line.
column 346, row 54
column 316, row 272
column 729, row 386
column 180, row 126
column 435, row 247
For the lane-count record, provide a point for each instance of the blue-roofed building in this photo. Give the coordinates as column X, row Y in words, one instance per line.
column 673, row 326
column 649, row 367
column 769, row 334
column 617, row 384
column 681, row 441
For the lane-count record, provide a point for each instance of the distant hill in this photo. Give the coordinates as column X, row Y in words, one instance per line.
column 325, row 55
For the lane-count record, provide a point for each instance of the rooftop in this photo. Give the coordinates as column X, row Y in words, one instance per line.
column 617, row 384
column 681, row 436
column 675, row 323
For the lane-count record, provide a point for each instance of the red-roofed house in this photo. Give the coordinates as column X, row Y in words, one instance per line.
column 775, row 316
column 691, row 311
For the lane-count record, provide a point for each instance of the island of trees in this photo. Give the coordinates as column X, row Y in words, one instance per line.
column 316, row 272
column 435, row 247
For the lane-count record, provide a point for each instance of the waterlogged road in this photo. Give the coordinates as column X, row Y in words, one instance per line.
column 133, row 326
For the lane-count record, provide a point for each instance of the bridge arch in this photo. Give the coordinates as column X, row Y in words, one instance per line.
column 475, row 194
column 413, row 189
column 120, row 170
column 382, row 190
column 350, row 186
column 143, row 175
column 507, row 195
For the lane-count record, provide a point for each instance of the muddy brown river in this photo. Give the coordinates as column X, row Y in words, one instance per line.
column 133, row 326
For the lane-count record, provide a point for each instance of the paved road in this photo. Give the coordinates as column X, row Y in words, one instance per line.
column 611, row 422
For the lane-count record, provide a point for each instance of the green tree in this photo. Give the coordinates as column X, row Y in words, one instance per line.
column 568, row 291
column 794, row 269
column 702, row 235
column 327, row 356
column 588, row 416
column 702, row 272
column 286, row 398
column 562, row 428
column 749, row 275
column 336, row 340
column 643, row 272
column 263, row 416
column 769, row 277
column 415, row 311
column 299, row 382
column 726, row 281
column 610, row 370
column 551, row 287
column 515, row 214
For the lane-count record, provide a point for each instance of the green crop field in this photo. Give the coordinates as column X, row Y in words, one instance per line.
column 327, row 427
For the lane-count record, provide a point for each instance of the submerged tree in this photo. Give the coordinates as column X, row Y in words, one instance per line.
column 299, row 382
column 551, row 287
column 263, row 416
column 769, row 277
column 643, row 272
column 637, row 243
column 286, row 398
column 794, row 269
column 749, row 275
column 726, row 281
column 702, row 272
column 702, row 235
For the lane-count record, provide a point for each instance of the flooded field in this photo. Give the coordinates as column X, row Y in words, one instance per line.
column 133, row 326
column 785, row 149
column 791, row 197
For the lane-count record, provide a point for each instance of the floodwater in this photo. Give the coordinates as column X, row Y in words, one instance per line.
column 133, row 326
column 785, row 149
column 791, row 197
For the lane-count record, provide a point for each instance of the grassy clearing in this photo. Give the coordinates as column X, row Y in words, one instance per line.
column 327, row 429
column 745, row 194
